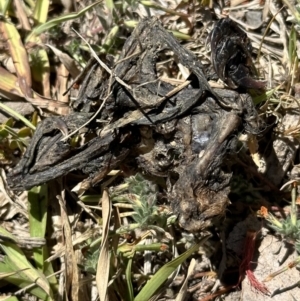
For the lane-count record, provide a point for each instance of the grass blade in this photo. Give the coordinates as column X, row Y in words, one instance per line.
column 66, row 60
column 292, row 46
column 265, row 96
column 39, row 60
column 154, row 5
column 130, row 296
column 7, row 274
column 9, row 83
column 103, row 261
column 8, row 298
column 16, row 260
column 40, row 13
column 16, row 115
column 184, row 288
column 71, row 273
column 4, row 4
column 19, row 280
column 56, row 21
column 110, row 4
column 19, row 56
column 38, row 202
column 40, row 69
column 164, row 272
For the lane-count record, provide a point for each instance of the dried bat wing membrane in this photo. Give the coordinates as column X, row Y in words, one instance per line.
column 231, row 55
column 48, row 157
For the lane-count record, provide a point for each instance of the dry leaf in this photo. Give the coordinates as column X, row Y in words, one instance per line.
column 72, row 276
column 183, row 290
column 19, row 55
column 103, row 261
column 66, row 60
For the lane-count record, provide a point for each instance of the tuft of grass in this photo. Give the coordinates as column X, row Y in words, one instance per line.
column 150, row 219
column 20, row 271
column 288, row 228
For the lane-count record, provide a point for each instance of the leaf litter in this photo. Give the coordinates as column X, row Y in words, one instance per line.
column 170, row 145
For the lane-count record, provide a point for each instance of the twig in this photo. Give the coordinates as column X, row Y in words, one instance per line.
column 92, row 118
column 265, row 33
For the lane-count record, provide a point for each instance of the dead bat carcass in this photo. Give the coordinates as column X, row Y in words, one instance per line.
column 181, row 132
